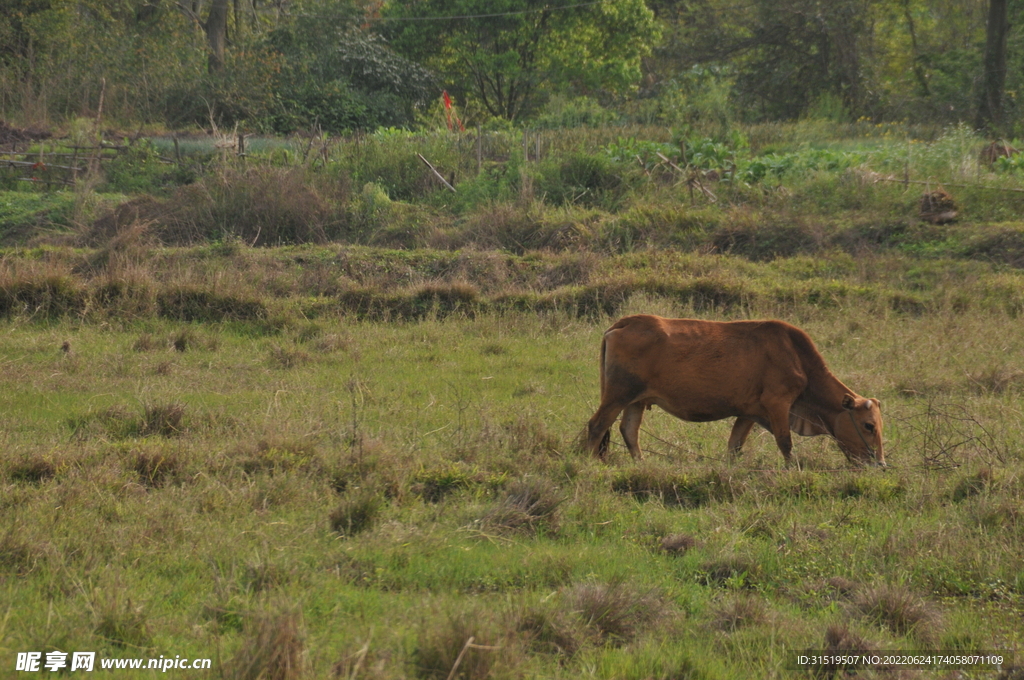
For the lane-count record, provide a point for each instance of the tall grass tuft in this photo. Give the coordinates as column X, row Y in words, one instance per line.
column 530, row 505
column 274, row 648
column 616, row 611
column 898, row 609
column 357, row 514
column 465, row 645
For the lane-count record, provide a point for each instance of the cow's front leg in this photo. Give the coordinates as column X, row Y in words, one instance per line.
column 630, row 429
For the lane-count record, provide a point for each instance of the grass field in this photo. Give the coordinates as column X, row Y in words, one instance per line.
column 360, row 498
column 348, row 453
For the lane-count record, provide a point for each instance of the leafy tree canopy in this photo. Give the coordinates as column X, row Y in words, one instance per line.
column 506, row 53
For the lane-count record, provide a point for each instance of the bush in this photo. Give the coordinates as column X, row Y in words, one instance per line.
column 579, row 178
column 260, row 206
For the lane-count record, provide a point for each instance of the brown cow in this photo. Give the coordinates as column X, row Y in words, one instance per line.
column 764, row 372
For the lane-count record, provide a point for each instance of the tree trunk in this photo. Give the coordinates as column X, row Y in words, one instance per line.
column 990, row 106
column 216, row 28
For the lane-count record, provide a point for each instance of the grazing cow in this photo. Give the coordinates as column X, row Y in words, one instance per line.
column 764, row 372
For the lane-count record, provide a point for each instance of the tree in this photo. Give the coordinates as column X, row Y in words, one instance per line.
column 990, row 106
column 216, row 27
column 505, row 53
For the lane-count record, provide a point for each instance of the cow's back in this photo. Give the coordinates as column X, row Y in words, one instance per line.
column 704, row 370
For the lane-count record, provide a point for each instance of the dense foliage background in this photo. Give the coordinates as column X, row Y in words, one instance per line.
column 358, row 64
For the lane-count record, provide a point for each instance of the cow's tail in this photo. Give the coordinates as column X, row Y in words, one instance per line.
column 604, row 353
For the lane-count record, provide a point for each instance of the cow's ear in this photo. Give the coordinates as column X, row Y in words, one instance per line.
column 874, row 401
column 849, row 402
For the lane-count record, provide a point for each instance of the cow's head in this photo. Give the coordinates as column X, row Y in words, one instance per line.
column 858, row 429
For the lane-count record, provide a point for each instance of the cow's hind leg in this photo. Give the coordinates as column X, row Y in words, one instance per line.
column 740, row 431
column 630, row 429
column 598, row 435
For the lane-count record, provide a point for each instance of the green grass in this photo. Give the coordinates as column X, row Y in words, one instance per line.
column 346, row 458
column 199, row 539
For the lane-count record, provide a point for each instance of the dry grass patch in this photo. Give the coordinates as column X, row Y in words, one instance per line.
column 678, row 544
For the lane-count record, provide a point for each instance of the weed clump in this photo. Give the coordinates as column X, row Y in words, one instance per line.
column 615, row 611
column 972, row 485
column 464, row 646
column 739, row 612
column 897, row 609
column 356, row 515
column 530, row 505
column 122, row 623
column 550, row 631
column 157, row 468
column 33, row 469
column 730, row 571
